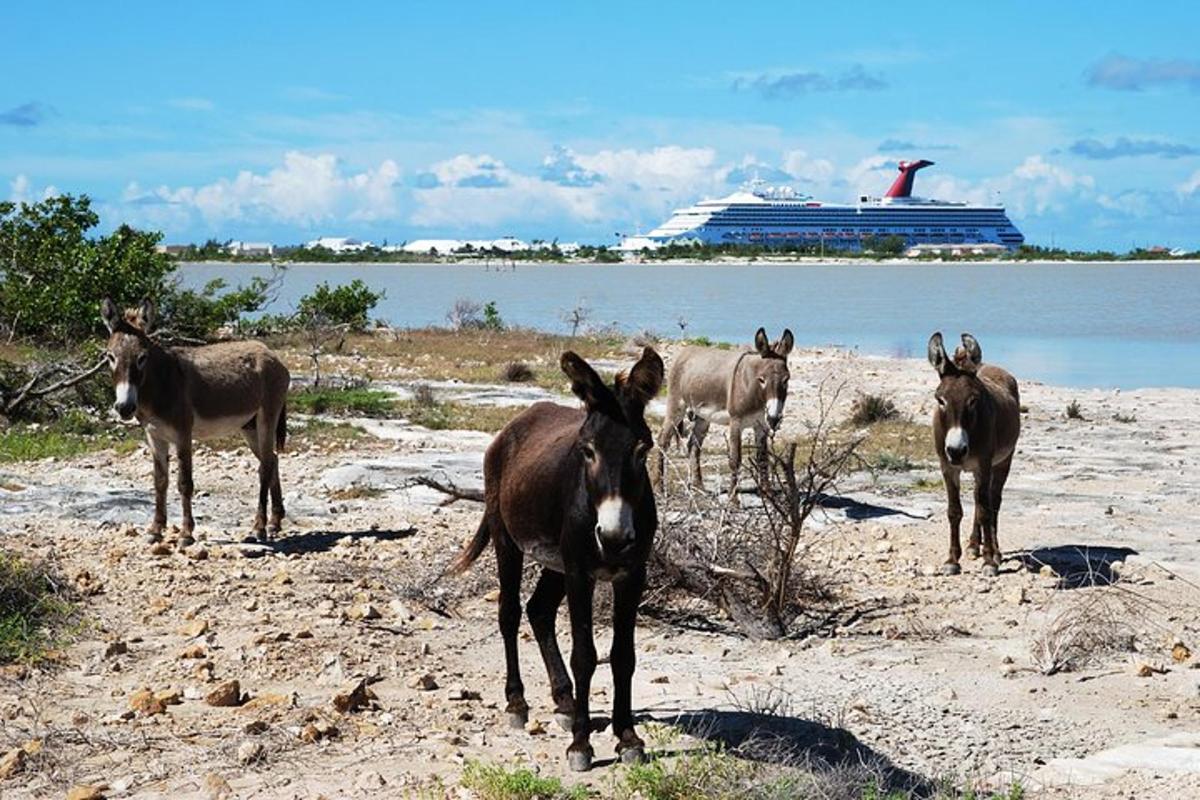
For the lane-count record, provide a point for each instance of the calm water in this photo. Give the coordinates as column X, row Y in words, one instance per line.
column 1106, row 325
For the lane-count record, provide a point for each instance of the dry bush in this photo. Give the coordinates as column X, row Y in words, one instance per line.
column 1074, row 411
column 423, row 396
column 1096, row 623
column 868, row 409
column 516, row 372
column 754, row 561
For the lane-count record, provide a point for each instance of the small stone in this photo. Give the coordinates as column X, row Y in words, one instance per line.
column 145, row 703
column 269, row 700
column 197, row 554
column 304, row 633
column 86, row 791
column 424, row 682
column 363, row 611
column 492, row 596
column 1147, row 669
column 160, row 549
column 462, row 693
column 1047, row 571
column 1180, row 652
column 256, row 728
column 660, row 679
column 197, row 627
column 12, row 763
column 401, row 611
column 534, row 727
column 193, row 651
column 169, row 697
column 353, row 698
column 224, row 695
column 1016, row 595
column 117, row 648
column 217, row 788
column 249, row 752
column 317, row 730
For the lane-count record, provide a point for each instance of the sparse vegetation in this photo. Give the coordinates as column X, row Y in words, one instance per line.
column 441, row 415
column 891, row 462
column 34, row 609
column 1126, row 419
column 869, row 409
column 350, row 400
column 1074, row 411
column 1094, row 624
column 495, row 782
column 516, row 372
column 71, row 435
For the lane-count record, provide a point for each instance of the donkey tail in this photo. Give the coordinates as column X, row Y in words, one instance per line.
column 281, row 429
column 472, row 550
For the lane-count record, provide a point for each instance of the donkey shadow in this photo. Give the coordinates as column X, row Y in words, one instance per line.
column 1077, row 565
column 858, row 510
column 311, row 542
column 774, row 738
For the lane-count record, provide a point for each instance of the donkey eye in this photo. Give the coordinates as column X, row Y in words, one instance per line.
column 111, row 358
column 589, row 452
column 141, row 360
column 640, row 451
column 762, row 381
column 941, row 401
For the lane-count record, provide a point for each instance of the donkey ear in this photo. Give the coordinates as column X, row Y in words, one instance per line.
column 970, row 347
column 109, row 313
column 785, row 343
column 585, row 382
column 645, row 379
column 761, row 343
column 937, row 353
column 145, row 314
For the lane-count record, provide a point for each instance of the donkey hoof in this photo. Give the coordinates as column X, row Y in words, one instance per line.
column 990, row 570
column 579, row 760
column 517, row 720
column 973, row 551
column 633, row 755
column 950, row 568
column 152, row 537
column 565, row 721
column 185, row 541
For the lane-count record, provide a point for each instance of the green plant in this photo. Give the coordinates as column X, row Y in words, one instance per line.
column 198, row 314
column 494, row 782
column 348, row 305
column 491, row 317
column 34, row 612
column 342, row 400
column 1074, row 411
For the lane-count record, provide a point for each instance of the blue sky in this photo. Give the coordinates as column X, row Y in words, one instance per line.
column 284, row 121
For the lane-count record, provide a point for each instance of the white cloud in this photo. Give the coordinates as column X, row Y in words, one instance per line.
column 307, row 189
column 21, row 190
column 807, row 168
column 1191, row 185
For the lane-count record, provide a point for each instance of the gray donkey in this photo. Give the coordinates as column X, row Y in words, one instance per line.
column 198, row 392
column 744, row 389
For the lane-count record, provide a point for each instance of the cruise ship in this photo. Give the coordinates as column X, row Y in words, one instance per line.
column 779, row 217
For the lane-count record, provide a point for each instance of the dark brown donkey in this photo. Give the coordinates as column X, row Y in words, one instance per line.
column 568, row 488
column 198, row 392
column 975, row 427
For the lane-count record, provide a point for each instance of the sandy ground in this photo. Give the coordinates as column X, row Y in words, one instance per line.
column 935, row 677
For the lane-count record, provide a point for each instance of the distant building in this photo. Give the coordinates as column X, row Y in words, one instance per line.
column 250, row 249
column 427, row 246
column 974, row 249
column 636, row 244
column 339, row 244
column 505, row 244
column 172, row 249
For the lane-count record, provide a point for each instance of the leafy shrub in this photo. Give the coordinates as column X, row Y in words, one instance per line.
column 349, row 305
column 55, row 275
column 32, row 609
column 491, row 317
column 1074, row 411
column 199, row 314
column 346, row 400
column 494, row 782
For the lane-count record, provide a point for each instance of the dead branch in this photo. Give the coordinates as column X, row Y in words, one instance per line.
column 28, row 392
column 454, row 492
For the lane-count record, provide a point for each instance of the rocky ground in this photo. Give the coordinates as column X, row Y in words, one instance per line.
column 339, row 663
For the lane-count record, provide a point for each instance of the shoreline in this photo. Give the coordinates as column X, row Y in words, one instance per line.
column 723, row 261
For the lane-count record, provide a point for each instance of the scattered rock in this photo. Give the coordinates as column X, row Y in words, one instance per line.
column 193, row 651
column 534, row 727
column 225, row 694
column 86, row 791
column 353, row 698
column 145, row 703
column 423, row 682
column 1180, row 652
column 462, row 693
column 317, row 730
column 169, row 697
column 249, row 752
column 161, row 549
column 197, row 627
column 660, row 679
column 117, row 648
column 363, row 611
column 217, row 788
column 12, row 763
column 1016, row 595
column 369, row 780
column 1146, row 669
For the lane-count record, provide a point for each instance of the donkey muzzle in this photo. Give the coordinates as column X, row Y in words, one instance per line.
column 125, row 410
column 126, row 402
column 957, row 443
column 614, row 525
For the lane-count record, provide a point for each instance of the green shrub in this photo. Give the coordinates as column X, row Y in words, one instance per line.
column 491, row 317
column 199, row 314
column 494, row 782
column 349, row 304
column 871, row 408
column 343, row 400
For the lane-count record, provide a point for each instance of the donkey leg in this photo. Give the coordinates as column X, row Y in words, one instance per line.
column 666, row 437
column 627, row 595
column 160, row 451
column 268, row 469
column 999, row 478
column 735, row 460
column 277, row 512
column 952, row 477
column 509, row 560
column 183, row 482
column 985, row 518
column 580, row 590
column 761, row 453
column 542, row 610
column 695, row 444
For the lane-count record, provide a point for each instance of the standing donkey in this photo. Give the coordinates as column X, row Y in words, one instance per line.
column 975, row 427
column 569, row 489
column 742, row 389
column 198, row 392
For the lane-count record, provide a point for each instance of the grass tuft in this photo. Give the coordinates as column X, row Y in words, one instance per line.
column 495, row 782
column 516, row 372
column 34, row 611
column 869, row 409
column 343, row 400
column 1074, row 411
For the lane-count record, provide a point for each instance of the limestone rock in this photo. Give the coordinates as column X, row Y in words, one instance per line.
column 86, row 791
column 353, row 698
column 249, row 752
column 145, row 703
column 225, row 694
column 12, row 763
